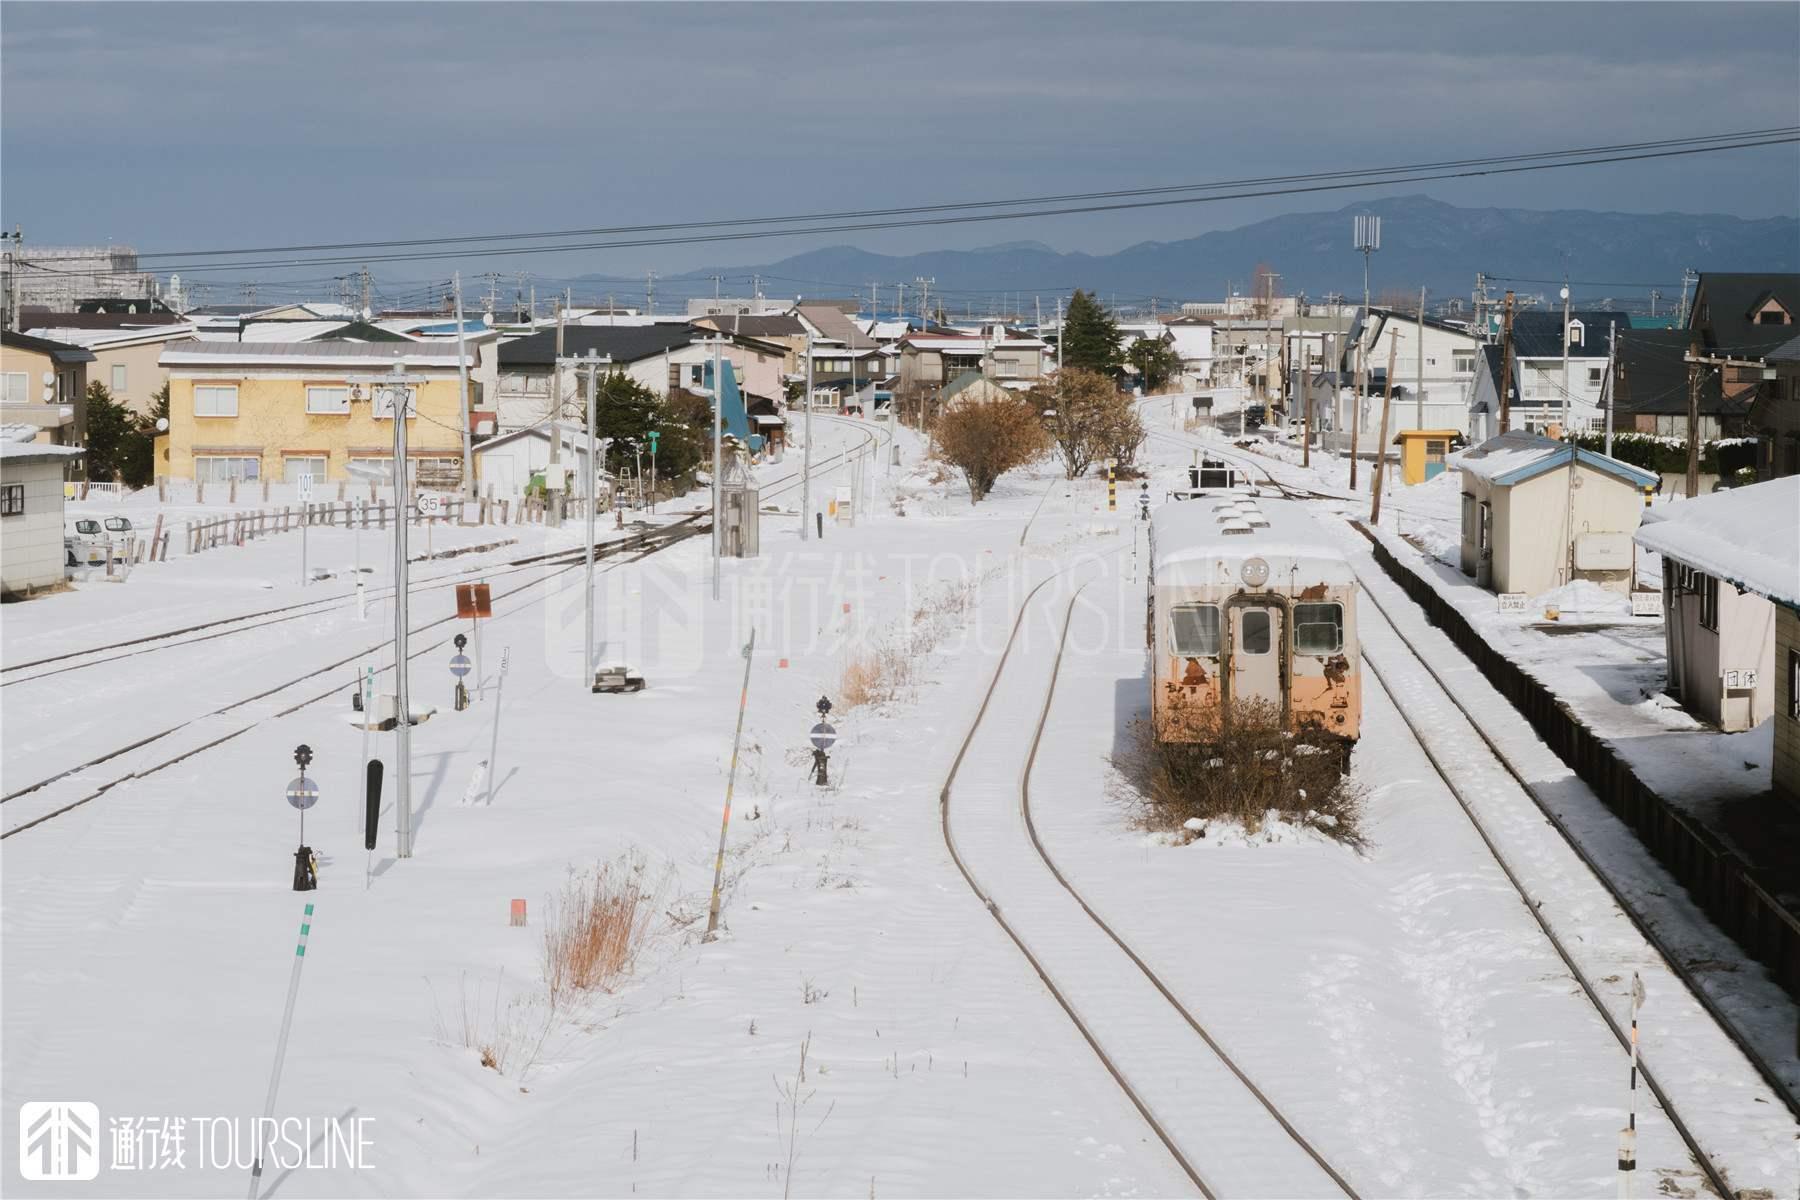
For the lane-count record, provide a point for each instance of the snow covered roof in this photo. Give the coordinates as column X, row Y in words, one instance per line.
column 1190, row 543
column 1748, row 536
column 1516, row 456
column 16, row 451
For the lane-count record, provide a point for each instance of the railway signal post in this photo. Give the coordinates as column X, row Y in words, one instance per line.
column 459, row 668
column 303, row 793
column 823, row 738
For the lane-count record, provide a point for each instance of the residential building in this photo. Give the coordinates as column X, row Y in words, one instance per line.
column 31, row 512
column 1528, row 527
column 506, row 465
column 528, row 385
column 1744, row 317
column 1729, row 561
column 126, row 356
column 275, row 410
column 1647, row 388
column 1775, row 413
column 970, row 386
column 1430, row 389
column 44, row 383
column 1537, row 376
column 783, row 329
column 928, row 361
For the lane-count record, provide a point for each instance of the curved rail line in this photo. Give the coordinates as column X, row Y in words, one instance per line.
column 1137, row 1100
column 1714, row 1176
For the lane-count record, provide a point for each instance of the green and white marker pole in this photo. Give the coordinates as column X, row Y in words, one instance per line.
column 287, row 1020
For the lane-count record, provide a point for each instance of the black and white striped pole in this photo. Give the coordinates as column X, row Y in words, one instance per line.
column 287, row 1020
column 1628, row 1135
column 303, row 793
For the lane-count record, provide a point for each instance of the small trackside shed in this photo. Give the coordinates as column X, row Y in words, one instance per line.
column 1538, row 513
column 31, row 515
column 1731, row 607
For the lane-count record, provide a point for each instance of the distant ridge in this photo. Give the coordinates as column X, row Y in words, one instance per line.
column 1424, row 241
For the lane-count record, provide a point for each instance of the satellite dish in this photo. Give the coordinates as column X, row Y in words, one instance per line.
column 162, row 424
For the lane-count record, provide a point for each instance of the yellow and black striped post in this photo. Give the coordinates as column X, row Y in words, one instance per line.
column 1112, row 489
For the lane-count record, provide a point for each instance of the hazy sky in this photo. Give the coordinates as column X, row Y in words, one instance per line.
column 177, row 127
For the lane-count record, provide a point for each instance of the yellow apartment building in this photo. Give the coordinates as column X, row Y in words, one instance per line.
column 277, row 410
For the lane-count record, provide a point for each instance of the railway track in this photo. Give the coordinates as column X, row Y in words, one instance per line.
column 1223, row 1131
column 47, row 805
column 1669, row 958
column 189, row 635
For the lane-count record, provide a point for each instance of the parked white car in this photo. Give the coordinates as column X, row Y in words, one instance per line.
column 84, row 542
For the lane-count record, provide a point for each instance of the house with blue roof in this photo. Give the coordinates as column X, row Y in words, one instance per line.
column 1538, row 514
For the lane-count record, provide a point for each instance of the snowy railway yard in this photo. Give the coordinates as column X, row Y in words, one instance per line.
column 962, row 968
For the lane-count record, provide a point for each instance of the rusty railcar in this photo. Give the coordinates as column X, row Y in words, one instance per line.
column 1249, row 600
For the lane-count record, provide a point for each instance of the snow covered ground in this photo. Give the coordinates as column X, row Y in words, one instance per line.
column 1400, row 1008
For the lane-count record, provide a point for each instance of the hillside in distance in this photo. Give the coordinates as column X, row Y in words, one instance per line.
column 1424, row 242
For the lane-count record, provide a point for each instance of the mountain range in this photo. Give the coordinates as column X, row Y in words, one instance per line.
column 1424, row 242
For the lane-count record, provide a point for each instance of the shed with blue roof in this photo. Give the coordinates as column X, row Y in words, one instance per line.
column 1538, row 513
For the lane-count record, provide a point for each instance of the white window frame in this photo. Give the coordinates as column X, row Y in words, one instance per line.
column 216, row 392
column 118, row 379
column 320, row 464
column 342, row 411
column 1577, row 334
column 22, row 389
column 209, row 477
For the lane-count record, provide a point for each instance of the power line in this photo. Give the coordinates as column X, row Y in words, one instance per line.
column 1786, row 133
column 758, row 234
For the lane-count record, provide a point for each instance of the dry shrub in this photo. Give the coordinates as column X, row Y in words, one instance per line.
column 594, row 929
column 1243, row 764
column 506, row 1039
column 875, row 674
column 984, row 439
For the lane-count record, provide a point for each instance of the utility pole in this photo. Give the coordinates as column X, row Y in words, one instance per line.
column 1504, row 383
column 396, row 386
column 1387, row 400
column 650, row 293
column 874, row 304
column 589, row 366
column 716, row 281
column 1612, row 380
column 1655, row 295
column 1419, row 370
column 718, row 456
column 806, row 450
column 368, row 290
column 900, row 301
column 1356, row 395
column 553, row 476
column 13, row 259
column 1303, row 397
column 1687, row 277
column 462, row 380
column 1059, row 334
column 925, row 297
column 1567, row 406
column 1693, row 419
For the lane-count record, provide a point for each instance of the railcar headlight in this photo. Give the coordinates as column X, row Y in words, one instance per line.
column 1254, row 573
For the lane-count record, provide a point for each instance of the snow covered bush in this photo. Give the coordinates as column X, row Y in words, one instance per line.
column 1242, row 764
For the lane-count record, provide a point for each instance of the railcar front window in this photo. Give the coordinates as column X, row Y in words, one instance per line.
column 1196, row 630
column 1318, row 628
column 1256, row 631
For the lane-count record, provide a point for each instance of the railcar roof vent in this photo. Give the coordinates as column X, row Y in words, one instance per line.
column 1234, row 525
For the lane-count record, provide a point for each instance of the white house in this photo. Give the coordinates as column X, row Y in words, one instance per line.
column 1728, row 561
column 1434, row 367
column 505, row 465
column 31, row 512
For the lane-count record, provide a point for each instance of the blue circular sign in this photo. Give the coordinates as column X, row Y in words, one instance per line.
column 302, row 793
column 459, row 665
column 823, row 736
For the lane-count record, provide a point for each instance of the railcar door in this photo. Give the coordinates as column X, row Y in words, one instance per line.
column 1256, row 653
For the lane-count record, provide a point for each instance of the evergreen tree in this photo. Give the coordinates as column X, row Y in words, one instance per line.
column 109, row 427
column 1155, row 360
column 1090, row 337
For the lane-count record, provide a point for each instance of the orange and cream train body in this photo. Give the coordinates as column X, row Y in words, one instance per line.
column 1250, row 603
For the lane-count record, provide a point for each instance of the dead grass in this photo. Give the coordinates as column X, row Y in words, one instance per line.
column 1243, row 766
column 595, row 928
